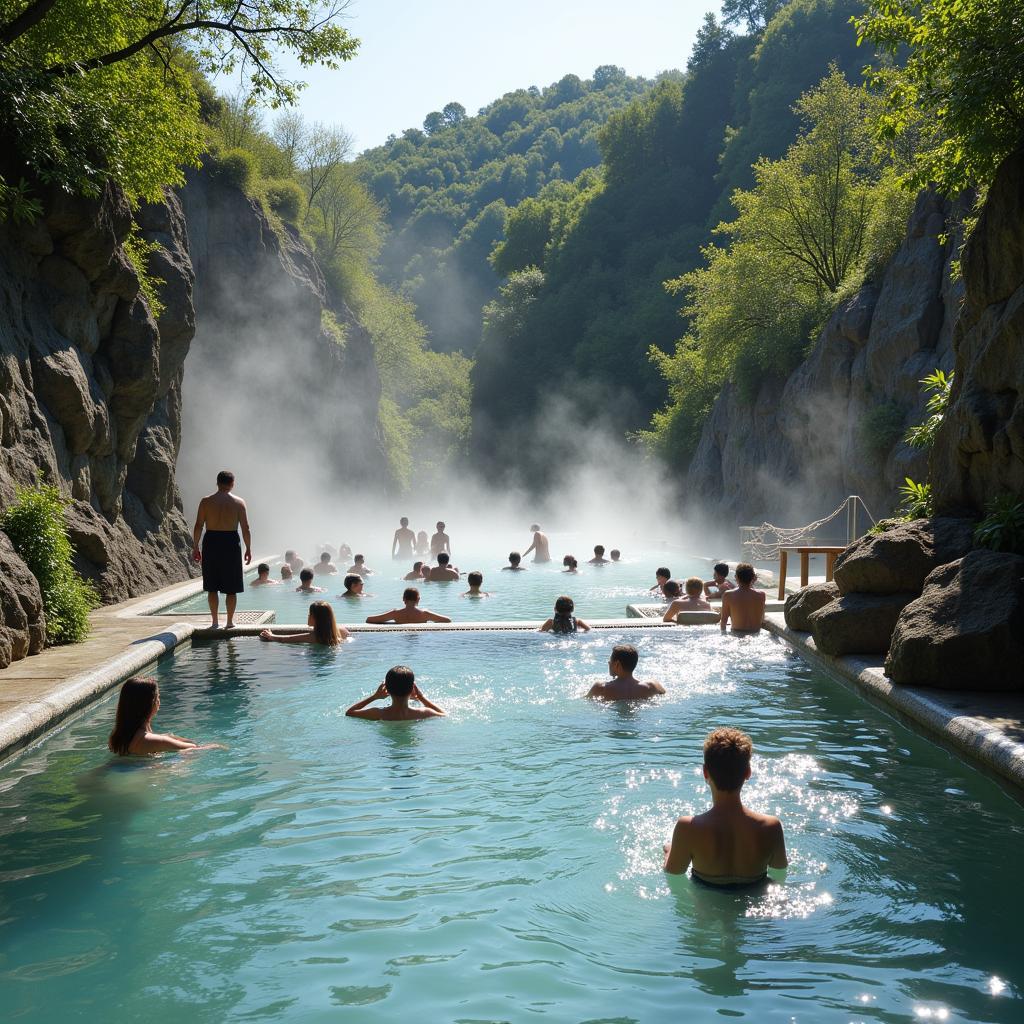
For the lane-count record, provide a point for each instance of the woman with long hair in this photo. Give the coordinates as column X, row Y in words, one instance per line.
column 564, row 621
column 133, row 733
column 324, row 629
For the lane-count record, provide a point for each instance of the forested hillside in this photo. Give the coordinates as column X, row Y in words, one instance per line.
column 446, row 188
column 585, row 299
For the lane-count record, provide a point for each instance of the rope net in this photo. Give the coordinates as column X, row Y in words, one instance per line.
column 762, row 543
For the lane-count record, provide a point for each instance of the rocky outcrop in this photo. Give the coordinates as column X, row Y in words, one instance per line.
column 857, row 623
column 979, row 453
column 966, row 630
column 90, row 382
column 804, row 603
column 804, row 443
column 898, row 560
column 272, row 389
column 22, row 622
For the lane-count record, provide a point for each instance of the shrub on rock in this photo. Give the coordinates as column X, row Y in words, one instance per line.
column 22, row 622
column 857, row 623
column 805, row 602
column 898, row 560
column 966, row 630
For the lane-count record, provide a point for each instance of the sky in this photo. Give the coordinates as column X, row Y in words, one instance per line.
column 415, row 57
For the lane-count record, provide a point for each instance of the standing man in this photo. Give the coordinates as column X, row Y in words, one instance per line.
column 440, row 542
column 404, row 540
column 221, row 513
column 539, row 547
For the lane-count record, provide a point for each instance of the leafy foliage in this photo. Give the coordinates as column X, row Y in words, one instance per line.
column 959, row 93
column 915, row 500
column 138, row 251
column 36, row 527
column 939, row 384
column 1002, row 529
column 881, row 427
column 446, row 189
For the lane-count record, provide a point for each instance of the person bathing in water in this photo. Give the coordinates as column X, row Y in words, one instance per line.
column 324, row 630
column 404, row 540
column 400, row 685
column 353, row 586
column 720, row 582
column 359, row 566
column 137, row 705
column 728, row 845
column 306, row 583
column 286, row 573
column 440, row 542
column 598, row 558
column 693, row 602
column 616, row 554
column 263, row 577
column 422, row 543
column 443, row 572
column 220, row 515
column 539, row 546
column 743, row 605
column 661, row 576
column 294, row 562
column 624, row 685
column 410, row 614
column 571, row 565
column 416, row 573
column 475, row 581
column 564, row 621
column 514, row 558
column 325, row 567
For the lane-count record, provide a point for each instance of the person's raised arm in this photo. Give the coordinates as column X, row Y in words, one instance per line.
column 778, row 858
column 417, row 694
column 361, row 709
column 580, row 624
column 243, row 519
column 197, row 531
column 726, row 609
column 381, row 619
column 678, row 853
column 286, row 638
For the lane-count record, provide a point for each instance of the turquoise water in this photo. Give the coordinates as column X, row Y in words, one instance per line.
column 503, row 864
column 599, row 591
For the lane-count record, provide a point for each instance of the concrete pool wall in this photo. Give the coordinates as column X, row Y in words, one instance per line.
column 43, row 693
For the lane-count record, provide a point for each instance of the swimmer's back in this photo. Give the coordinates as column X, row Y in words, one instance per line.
column 734, row 848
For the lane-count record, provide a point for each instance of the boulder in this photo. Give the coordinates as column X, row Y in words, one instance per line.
column 966, row 630
column 22, row 621
column 898, row 560
column 805, row 602
column 857, row 623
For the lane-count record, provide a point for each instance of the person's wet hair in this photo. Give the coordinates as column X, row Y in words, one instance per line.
column 411, row 594
column 135, row 706
column 443, row 558
column 403, row 521
column 224, row 477
column 289, row 555
column 662, row 573
column 672, row 589
column 626, row 655
column 727, row 755
column 399, row 681
column 325, row 557
column 262, row 567
column 306, row 575
column 325, row 628
column 564, row 605
column 570, row 562
column 615, row 553
column 358, row 559
column 440, row 526
column 286, row 571
column 351, row 580
column 416, row 566
column 599, row 550
column 722, row 568
column 694, row 585
column 475, row 579
column 514, row 557
column 744, row 573
column 535, row 527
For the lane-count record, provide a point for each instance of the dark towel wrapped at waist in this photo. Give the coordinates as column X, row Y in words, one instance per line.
column 222, row 562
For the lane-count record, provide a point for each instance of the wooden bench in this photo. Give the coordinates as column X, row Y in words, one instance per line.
column 831, row 554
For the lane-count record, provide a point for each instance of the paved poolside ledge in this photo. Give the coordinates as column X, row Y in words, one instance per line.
column 986, row 729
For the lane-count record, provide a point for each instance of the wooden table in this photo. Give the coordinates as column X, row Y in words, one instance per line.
column 830, row 553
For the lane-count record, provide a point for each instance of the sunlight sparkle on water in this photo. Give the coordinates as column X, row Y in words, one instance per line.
column 996, row 985
column 931, row 1013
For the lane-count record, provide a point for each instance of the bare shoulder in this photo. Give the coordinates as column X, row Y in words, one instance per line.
column 654, row 686
column 767, row 821
column 237, row 500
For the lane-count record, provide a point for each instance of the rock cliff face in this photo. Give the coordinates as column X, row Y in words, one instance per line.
column 273, row 390
column 803, row 444
column 90, row 382
column 979, row 454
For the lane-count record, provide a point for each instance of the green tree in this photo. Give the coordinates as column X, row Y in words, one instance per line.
column 960, row 87
column 754, row 14
column 433, row 122
column 453, row 114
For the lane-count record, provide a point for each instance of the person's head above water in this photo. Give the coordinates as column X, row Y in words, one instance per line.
column 416, row 566
column 136, row 705
column 475, row 579
column 352, row 581
column 570, row 562
column 325, row 557
column 443, row 559
column 745, row 573
column 564, row 605
column 440, row 527
column 225, row 480
column 694, row 586
column 404, row 521
column 411, row 595
column 727, row 755
column 671, row 589
column 289, row 555
column 535, row 527
column 359, row 560
column 663, row 574
column 599, row 550
column 306, row 575
column 626, row 656
column 399, row 681
column 325, row 628
column 616, row 554
column 263, row 569
column 286, row 571
column 514, row 557
column 721, row 570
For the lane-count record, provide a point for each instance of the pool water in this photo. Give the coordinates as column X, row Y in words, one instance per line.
column 504, row 863
column 599, row 592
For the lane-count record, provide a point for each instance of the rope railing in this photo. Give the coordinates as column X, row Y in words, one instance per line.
column 762, row 543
